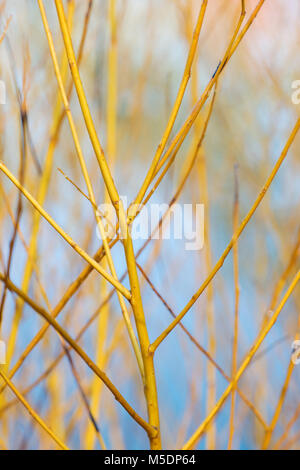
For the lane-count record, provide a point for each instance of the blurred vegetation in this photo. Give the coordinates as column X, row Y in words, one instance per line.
column 240, row 155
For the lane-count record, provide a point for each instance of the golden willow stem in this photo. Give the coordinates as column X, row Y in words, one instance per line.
column 108, row 180
column 184, row 82
column 90, row 188
column 56, row 310
column 269, row 431
column 235, row 237
column 289, row 425
column 74, row 286
column 206, row 353
column 179, row 138
column 276, row 293
column 112, row 85
column 34, row 415
column 74, row 345
column 201, row 169
column 236, row 306
column 197, row 108
column 64, row 235
column 170, row 154
column 96, row 387
column 5, row 29
column 107, row 354
column 183, row 132
column 197, row 435
column 57, row 120
column 136, row 299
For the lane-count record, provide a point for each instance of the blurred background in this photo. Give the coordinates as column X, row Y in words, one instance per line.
column 253, row 116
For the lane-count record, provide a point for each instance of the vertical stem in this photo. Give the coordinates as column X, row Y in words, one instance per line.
column 150, row 381
column 269, row 433
column 236, row 308
column 112, row 86
column 210, row 315
column 102, row 327
column 182, row 88
column 136, row 299
column 41, row 196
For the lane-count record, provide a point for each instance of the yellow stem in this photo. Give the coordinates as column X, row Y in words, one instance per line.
column 234, row 238
column 89, row 186
column 184, row 82
column 136, row 299
column 64, row 235
column 63, row 333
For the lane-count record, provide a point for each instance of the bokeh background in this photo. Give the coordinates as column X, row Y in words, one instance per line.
column 251, row 121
